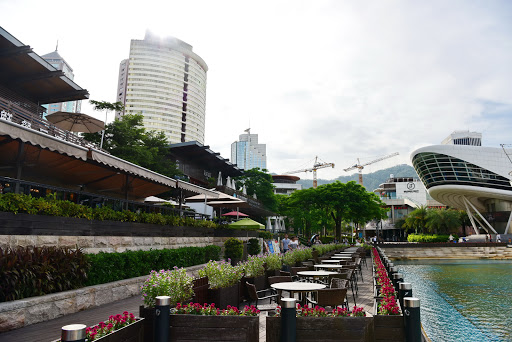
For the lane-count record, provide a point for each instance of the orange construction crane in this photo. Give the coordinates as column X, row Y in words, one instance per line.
column 361, row 167
column 317, row 165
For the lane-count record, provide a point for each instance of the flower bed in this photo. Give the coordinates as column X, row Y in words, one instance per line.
column 207, row 322
column 118, row 328
column 389, row 321
column 316, row 324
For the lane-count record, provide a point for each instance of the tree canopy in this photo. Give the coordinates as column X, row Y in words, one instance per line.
column 259, row 182
column 127, row 139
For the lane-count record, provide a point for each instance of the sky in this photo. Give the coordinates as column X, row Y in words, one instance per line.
column 340, row 80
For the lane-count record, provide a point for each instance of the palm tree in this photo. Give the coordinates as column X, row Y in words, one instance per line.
column 443, row 221
column 417, row 219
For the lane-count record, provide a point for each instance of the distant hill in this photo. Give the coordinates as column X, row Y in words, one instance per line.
column 371, row 181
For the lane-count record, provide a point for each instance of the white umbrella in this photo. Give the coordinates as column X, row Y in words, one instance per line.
column 244, row 190
column 76, row 122
column 219, row 179
column 254, row 196
column 269, row 224
column 228, row 182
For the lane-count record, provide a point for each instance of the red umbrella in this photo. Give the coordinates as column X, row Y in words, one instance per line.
column 235, row 213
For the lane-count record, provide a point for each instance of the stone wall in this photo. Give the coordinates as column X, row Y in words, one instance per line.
column 23, row 312
column 447, row 252
column 96, row 244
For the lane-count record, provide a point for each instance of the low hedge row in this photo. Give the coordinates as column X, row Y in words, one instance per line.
column 36, row 271
column 108, row 267
column 423, row 238
column 27, row 272
column 20, row 203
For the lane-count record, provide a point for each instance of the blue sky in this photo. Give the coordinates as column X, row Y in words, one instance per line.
column 338, row 79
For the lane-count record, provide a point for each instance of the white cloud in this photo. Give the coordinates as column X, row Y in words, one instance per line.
column 338, row 79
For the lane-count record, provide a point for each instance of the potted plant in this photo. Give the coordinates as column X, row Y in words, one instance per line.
column 208, row 322
column 253, row 247
column 174, row 283
column 273, row 264
column 254, row 271
column 233, row 250
column 224, row 283
column 316, row 324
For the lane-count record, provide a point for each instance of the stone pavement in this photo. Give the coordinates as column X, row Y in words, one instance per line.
column 50, row 330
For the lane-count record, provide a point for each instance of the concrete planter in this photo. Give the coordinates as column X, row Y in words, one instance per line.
column 313, row 329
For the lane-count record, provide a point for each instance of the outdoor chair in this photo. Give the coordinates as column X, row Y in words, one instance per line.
column 279, row 279
column 254, row 297
column 362, row 255
column 330, row 297
column 294, row 270
column 284, row 273
column 342, row 283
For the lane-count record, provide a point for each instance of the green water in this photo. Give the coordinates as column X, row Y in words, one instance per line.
column 468, row 300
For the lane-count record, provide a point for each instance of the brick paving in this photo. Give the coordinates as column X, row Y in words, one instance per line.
column 50, row 330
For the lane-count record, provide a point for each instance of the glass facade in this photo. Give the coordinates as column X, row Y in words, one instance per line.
column 439, row 169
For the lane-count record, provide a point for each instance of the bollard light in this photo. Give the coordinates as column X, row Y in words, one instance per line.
column 162, row 318
column 412, row 319
column 73, row 333
column 404, row 290
column 397, row 278
column 288, row 320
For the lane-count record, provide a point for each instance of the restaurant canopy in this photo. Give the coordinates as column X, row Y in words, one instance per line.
column 35, row 156
column 247, row 223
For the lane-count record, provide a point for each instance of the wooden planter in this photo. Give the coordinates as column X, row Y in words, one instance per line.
column 326, row 329
column 259, row 282
column 200, row 287
column 225, row 296
column 214, row 328
column 389, row 328
column 270, row 273
column 130, row 333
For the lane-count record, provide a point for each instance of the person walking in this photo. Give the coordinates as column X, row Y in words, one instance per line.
column 285, row 243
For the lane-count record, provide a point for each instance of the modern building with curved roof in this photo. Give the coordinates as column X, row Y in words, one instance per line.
column 469, row 177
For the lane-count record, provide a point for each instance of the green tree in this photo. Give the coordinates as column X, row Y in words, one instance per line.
column 127, row 139
column 417, row 219
column 106, row 106
column 442, row 221
column 259, row 182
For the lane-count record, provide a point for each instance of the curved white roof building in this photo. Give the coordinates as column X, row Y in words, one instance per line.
column 166, row 82
column 472, row 178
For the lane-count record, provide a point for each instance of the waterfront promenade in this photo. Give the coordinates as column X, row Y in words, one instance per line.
column 50, row 330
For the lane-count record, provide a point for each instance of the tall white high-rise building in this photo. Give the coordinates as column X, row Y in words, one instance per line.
column 165, row 82
column 247, row 154
column 59, row 63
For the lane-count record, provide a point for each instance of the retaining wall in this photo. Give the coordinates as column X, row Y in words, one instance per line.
column 448, row 251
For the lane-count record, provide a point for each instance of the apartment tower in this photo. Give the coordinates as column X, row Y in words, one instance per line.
column 165, row 82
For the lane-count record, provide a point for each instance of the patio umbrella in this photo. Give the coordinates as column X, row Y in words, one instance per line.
column 76, row 122
column 219, row 179
column 247, row 223
column 235, row 213
column 228, row 182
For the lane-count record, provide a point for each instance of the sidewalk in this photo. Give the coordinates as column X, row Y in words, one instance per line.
column 50, row 330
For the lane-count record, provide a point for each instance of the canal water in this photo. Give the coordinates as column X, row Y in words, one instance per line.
column 462, row 300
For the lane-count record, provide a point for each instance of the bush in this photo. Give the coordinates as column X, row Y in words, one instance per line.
column 266, row 235
column 108, row 267
column 36, row 271
column 326, row 239
column 233, row 249
column 174, row 283
column 253, row 247
column 426, row 238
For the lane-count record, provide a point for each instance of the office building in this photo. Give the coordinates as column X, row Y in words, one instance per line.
column 247, row 153
column 59, row 63
column 472, row 178
column 165, row 81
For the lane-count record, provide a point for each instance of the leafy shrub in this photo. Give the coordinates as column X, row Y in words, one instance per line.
column 426, row 238
column 108, row 267
column 266, row 235
column 175, row 283
column 36, row 271
column 221, row 274
column 253, row 267
column 253, row 247
column 273, row 261
column 326, row 239
column 233, row 248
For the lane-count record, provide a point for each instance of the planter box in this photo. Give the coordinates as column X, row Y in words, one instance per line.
column 130, row 333
column 225, row 296
column 259, row 282
column 389, row 328
column 200, row 287
column 214, row 328
column 268, row 274
column 326, row 329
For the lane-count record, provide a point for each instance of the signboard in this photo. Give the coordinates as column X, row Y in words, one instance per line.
column 270, row 246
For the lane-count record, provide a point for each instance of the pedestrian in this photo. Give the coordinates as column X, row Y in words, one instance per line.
column 285, row 243
column 451, row 238
column 294, row 243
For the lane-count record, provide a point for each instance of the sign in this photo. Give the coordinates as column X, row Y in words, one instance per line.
column 270, row 245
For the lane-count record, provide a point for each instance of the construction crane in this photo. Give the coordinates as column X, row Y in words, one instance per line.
column 317, row 165
column 361, row 167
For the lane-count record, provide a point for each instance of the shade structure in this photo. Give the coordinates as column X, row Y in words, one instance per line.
column 235, row 213
column 247, row 223
column 76, row 122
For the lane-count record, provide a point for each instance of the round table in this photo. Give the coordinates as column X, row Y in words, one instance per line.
column 315, row 274
column 333, row 267
column 297, row 286
column 332, row 261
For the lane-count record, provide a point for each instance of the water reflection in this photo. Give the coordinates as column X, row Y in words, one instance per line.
column 469, row 300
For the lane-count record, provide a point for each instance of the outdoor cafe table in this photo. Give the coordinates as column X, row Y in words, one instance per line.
column 337, row 261
column 330, row 267
column 315, row 274
column 297, row 286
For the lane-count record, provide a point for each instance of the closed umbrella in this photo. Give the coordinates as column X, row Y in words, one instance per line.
column 76, row 122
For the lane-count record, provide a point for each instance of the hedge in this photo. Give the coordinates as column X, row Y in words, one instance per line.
column 20, row 203
column 425, row 238
column 108, row 267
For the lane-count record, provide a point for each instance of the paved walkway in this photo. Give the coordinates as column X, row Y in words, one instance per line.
column 50, row 330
